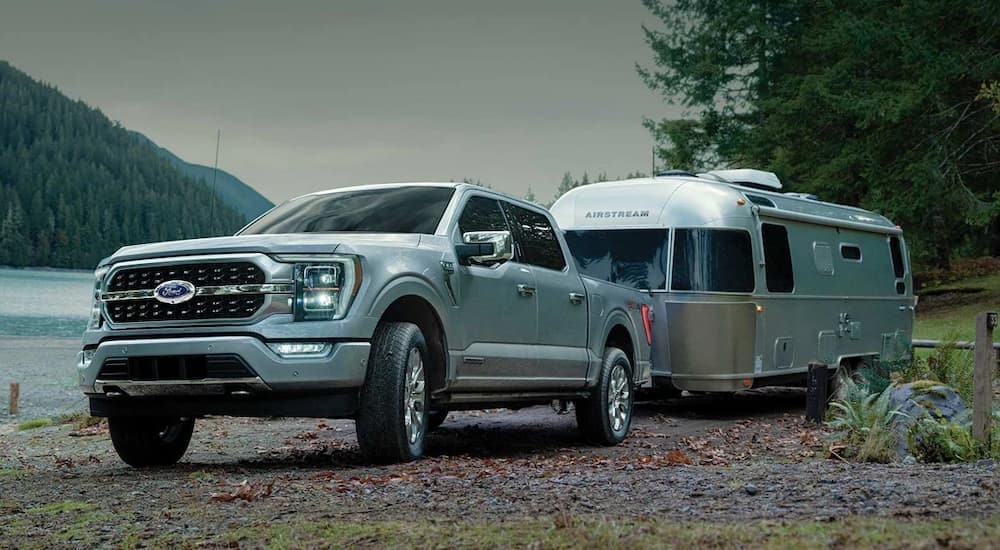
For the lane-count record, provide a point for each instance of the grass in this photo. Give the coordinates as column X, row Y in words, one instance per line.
column 949, row 312
column 35, row 423
column 561, row 530
column 576, row 531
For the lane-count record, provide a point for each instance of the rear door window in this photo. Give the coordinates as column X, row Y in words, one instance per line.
column 712, row 260
column 539, row 244
column 630, row 257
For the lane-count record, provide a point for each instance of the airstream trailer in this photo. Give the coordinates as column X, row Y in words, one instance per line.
column 750, row 284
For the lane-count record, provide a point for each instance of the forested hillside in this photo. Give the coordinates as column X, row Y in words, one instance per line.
column 245, row 199
column 75, row 186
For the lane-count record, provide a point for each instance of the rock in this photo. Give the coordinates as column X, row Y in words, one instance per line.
column 909, row 460
column 924, row 399
column 750, row 489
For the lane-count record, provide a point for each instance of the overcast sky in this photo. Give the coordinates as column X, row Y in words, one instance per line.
column 312, row 95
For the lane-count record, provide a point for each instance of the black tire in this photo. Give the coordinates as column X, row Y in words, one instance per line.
column 435, row 418
column 150, row 441
column 392, row 419
column 605, row 418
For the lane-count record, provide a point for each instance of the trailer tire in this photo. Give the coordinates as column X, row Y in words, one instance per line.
column 392, row 418
column 605, row 418
column 144, row 441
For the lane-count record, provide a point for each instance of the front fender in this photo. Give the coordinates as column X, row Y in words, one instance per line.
column 410, row 285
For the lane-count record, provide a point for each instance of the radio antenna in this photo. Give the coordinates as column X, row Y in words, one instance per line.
column 215, row 171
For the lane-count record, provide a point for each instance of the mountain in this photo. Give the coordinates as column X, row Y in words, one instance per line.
column 228, row 187
column 75, row 186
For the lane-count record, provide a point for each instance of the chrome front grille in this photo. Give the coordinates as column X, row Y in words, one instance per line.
column 223, row 290
column 201, row 307
column 206, row 274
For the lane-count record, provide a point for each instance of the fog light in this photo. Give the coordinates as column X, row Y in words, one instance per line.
column 85, row 358
column 300, row 349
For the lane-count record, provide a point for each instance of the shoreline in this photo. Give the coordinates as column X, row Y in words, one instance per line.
column 46, row 268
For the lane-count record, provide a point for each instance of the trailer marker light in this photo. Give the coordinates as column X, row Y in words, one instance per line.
column 741, row 201
column 747, row 382
column 760, row 308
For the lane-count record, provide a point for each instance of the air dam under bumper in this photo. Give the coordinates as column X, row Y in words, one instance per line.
column 271, row 384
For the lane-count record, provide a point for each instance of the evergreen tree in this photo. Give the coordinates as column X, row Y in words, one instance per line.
column 75, row 186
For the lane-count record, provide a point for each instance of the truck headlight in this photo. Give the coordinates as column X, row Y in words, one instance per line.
column 324, row 291
column 96, row 319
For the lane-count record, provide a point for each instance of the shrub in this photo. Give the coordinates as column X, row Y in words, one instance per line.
column 863, row 422
column 936, row 440
column 947, row 365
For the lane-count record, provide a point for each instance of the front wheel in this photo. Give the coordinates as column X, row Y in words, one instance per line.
column 150, row 441
column 392, row 419
column 604, row 419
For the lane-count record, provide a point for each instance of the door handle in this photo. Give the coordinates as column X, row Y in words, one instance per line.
column 525, row 290
column 576, row 297
column 905, row 308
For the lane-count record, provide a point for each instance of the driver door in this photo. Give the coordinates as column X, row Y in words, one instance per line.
column 498, row 306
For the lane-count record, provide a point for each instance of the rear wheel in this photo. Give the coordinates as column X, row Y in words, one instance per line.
column 150, row 441
column 604, row 419
column 392, row 419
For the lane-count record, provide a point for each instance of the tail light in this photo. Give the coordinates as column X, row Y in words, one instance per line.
column 647, row 323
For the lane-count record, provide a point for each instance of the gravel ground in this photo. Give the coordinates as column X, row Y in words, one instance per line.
column 714, row 458
column 45, row 368
column 696, row 458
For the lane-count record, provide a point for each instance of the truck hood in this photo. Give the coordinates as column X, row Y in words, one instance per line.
column 300, row 243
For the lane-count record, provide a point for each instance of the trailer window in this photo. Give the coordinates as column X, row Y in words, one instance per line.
column 712, row 260
column 777, row 258
column 630, row 257
column 897, row 257
column 850, row 252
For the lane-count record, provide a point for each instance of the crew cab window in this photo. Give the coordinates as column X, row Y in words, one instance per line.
column 385, row 210
column 482, row 214
column 712, row 260
column 630, row 257
column 539, row 244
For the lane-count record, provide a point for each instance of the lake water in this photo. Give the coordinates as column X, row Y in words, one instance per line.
column 37, row 302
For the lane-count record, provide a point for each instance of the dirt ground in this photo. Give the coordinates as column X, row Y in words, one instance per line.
column 730, row 458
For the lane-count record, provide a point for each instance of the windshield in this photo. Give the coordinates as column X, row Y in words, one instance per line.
column 386, row 210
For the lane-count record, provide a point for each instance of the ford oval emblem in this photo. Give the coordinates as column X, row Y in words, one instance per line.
column 173, row 292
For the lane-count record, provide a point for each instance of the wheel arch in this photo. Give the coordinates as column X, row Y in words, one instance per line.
column 413, row 302
column 619, row 336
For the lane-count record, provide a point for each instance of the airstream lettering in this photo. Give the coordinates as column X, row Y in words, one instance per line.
column 750, row 284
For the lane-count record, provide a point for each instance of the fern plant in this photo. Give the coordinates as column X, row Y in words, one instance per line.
column 864, row 423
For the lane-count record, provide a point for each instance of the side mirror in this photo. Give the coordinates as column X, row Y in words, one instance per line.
column 485, row 247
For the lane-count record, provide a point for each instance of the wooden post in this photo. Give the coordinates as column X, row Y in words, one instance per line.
column 982, row 400
column 816, row 392
column 15, row 395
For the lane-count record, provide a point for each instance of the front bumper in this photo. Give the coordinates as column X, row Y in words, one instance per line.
column 266, row 375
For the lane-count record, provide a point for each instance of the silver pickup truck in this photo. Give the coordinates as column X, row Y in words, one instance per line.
column 388, row 304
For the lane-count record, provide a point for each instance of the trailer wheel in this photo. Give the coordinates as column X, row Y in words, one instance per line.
column 847, row 370
column 604, row 419
column 150, row 441
column 392, row 419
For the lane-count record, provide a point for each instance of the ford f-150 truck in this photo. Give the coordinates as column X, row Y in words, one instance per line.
column 389, row 304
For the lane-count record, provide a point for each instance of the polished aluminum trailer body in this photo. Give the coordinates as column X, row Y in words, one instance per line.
column 750, row 285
